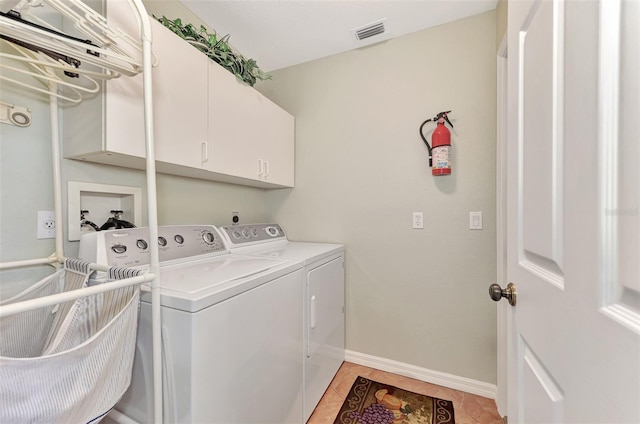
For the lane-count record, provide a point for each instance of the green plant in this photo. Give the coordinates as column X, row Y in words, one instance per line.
column 218, row 50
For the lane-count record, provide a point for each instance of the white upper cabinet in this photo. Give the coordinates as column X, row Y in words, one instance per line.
column 110, row 128
column 207, row 124
column 249, row 135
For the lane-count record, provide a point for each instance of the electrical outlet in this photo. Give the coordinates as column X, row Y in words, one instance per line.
column 46, row 225
column 235, row 217
column 418, row 220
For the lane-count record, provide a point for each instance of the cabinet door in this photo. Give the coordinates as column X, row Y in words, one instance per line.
column 180, row 99
column 249, row 135
column 108, row 127
column 179, row 102
column 276, row 150
column 123, row 118
column 235, row 134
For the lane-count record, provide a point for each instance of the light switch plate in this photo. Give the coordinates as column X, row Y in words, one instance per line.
column 475, row 220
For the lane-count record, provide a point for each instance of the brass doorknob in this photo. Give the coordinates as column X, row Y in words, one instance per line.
column 496, row 293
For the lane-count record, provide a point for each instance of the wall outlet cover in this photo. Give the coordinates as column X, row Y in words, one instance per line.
column 418, row 220
column 46, row 225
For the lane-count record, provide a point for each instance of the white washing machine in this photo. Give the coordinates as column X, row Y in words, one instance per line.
column 231, row 333
column 323, row 299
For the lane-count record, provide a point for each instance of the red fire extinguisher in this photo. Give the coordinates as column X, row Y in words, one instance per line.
column 441, row 144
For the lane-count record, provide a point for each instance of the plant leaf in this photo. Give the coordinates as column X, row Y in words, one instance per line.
column 217, row 49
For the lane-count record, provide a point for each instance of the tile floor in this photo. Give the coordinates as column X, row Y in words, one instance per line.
column 468, row 408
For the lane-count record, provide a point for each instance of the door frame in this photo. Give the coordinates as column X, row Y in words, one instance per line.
column 501, row 223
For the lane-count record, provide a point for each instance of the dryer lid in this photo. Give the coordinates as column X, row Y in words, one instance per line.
column 308, row 252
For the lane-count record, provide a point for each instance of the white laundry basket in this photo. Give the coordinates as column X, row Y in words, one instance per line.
column 72, row 362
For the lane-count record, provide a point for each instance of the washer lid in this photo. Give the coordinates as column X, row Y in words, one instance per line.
column 194, row 285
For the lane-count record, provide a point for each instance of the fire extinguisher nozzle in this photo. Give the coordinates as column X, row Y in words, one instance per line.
column 448, row 122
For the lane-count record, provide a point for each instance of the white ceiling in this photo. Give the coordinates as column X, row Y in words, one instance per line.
column 281, row 33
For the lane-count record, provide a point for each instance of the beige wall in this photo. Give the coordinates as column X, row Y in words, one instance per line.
column 416, row 296
column 501, row 21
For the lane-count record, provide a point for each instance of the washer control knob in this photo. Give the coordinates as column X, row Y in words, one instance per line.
column 254, row 232
column 272, row 231
column 142, row 245
column 162, row 241
column 179, row 239
column 208, row 237
column 236, row 235
column 246, row 233
column 119, row 248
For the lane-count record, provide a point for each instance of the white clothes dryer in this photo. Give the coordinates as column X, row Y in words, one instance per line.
column 324, row 291
column 231, row 334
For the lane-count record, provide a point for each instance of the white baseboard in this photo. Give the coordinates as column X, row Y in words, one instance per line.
column 451, row 381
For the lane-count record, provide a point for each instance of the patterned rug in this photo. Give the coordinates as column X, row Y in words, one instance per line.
column 370, row 402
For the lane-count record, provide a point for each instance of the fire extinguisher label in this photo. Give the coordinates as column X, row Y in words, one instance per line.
column 441, row 157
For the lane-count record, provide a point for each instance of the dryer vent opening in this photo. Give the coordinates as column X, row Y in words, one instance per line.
column 370, row 30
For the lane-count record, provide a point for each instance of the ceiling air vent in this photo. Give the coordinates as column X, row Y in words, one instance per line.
column 369, row 30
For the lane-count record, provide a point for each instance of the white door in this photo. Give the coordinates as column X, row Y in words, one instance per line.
column 573, row 212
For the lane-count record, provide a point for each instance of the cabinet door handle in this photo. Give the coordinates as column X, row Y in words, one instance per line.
column 260, row 167
column 205, row 152
column 266, row 168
